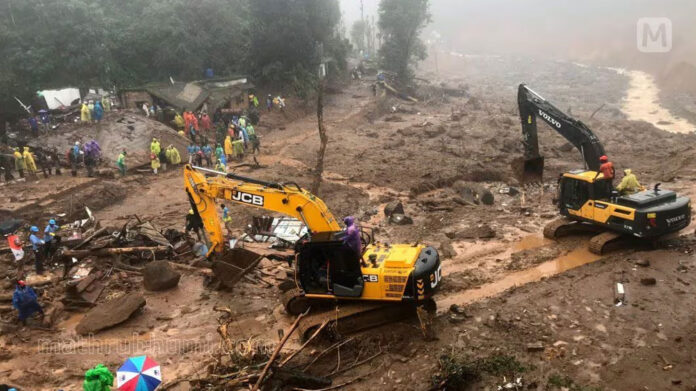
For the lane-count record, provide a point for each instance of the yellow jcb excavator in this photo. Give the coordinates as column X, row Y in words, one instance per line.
column 326, row 270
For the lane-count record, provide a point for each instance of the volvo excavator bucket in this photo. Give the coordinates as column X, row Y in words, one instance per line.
column 232, row 265
column 529, row 170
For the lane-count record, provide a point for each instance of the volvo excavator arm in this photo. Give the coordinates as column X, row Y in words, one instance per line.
column 288, row 199
column 531, row 106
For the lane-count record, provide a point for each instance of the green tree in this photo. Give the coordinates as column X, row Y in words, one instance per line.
column 288, row 38
column 401, row 23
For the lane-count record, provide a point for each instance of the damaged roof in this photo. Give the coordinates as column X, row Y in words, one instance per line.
column 191, row 95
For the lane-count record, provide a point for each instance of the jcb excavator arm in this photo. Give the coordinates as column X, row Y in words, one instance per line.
column 288, row 199
column 531, row 106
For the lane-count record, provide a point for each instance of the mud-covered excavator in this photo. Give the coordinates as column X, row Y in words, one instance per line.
column 399, row 275
column 586, row 200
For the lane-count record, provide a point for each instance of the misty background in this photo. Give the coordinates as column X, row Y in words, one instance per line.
column 596, row 32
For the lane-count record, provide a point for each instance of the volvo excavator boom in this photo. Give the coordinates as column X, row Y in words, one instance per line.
column 286, row 198
column 533, row 105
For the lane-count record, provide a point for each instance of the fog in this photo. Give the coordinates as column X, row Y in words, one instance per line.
column 593, row 31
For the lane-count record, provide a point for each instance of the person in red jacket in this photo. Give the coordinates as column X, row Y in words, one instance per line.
column 607, row 168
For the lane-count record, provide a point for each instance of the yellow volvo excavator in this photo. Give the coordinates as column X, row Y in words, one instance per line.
column 325, row 268
column 586, row 200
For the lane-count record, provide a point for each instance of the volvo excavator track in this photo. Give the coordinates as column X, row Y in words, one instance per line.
column 346, row 317
column 607, row 241
column 564, row 227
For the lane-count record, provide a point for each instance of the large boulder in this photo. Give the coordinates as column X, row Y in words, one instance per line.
column 159, row 276
column 394, row 207
column 110, row 314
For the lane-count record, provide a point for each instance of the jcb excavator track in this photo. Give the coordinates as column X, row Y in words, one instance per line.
column 600, row 244
column 346, row 317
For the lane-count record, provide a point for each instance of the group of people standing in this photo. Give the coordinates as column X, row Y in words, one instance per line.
column 160, row 157
column 93, row 111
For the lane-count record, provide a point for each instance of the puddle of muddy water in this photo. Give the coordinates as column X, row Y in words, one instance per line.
column 641, row 103
column 577, row 257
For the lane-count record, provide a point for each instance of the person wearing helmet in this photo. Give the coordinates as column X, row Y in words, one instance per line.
column 606, row 168
column 51, row 239
column 37, row 247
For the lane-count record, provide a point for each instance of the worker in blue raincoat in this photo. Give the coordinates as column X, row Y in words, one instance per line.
column 37, row 247
column 24, row 300
column 51, row 238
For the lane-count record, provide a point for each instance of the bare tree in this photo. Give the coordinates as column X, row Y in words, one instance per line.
column 319, row 168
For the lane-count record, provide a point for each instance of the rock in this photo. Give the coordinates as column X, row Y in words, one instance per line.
column 110, row 314
column 159, row 276
column 435, row 131
column 394, row 207
column 676, row 382
column 483, row 231
column 648, row 281
column 446, row 249
column 535, row 347
column 456, row 309
column 400, row 219
column 643, row 262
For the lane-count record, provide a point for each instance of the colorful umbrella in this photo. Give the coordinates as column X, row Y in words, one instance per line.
column 139, row 374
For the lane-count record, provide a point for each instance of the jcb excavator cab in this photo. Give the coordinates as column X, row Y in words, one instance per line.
column 327, row 266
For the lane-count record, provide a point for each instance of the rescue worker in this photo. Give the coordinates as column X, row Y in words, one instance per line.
column 98, row 112
column 629, row 184
column 238, row 149
column 163, row 159
column 155, row 147
column 29, row 162
column 34, row 124
column 226, row 218
column 74, row 155
column 36, row 246
column 24, row 300
column 207, row 151
column 228, row 149
column 269, row 103
column 253, row 139
column 106, row 102
column 194, row 223
column 146, row 109
column 121, row 163
column 20, row 164
column 51, row 240
column 154, row 163
column 352, row 238
column 17, row 248
column 99, row 379
column 606, row 168
column 205, row 122
column 220, row 164
column 178, row 122
column 85, row 114
column 219, row 152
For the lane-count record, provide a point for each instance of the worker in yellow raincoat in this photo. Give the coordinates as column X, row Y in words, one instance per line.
column 29, row 161
column 629, row 184
column 154, row 162
column 20, row 164
column 173, row 155
column 85, row 113
column 238, row 149
column 155, row 147
column 228, row 147
column 179, row 122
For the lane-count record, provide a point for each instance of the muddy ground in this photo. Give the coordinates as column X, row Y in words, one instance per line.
column 527, row 307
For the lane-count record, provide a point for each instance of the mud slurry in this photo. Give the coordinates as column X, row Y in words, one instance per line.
column 514, row 287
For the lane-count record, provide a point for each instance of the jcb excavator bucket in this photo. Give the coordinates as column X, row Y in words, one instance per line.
column 234, row 264
column 529, row 170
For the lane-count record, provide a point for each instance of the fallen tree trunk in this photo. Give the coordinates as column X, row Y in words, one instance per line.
column 112, row 251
